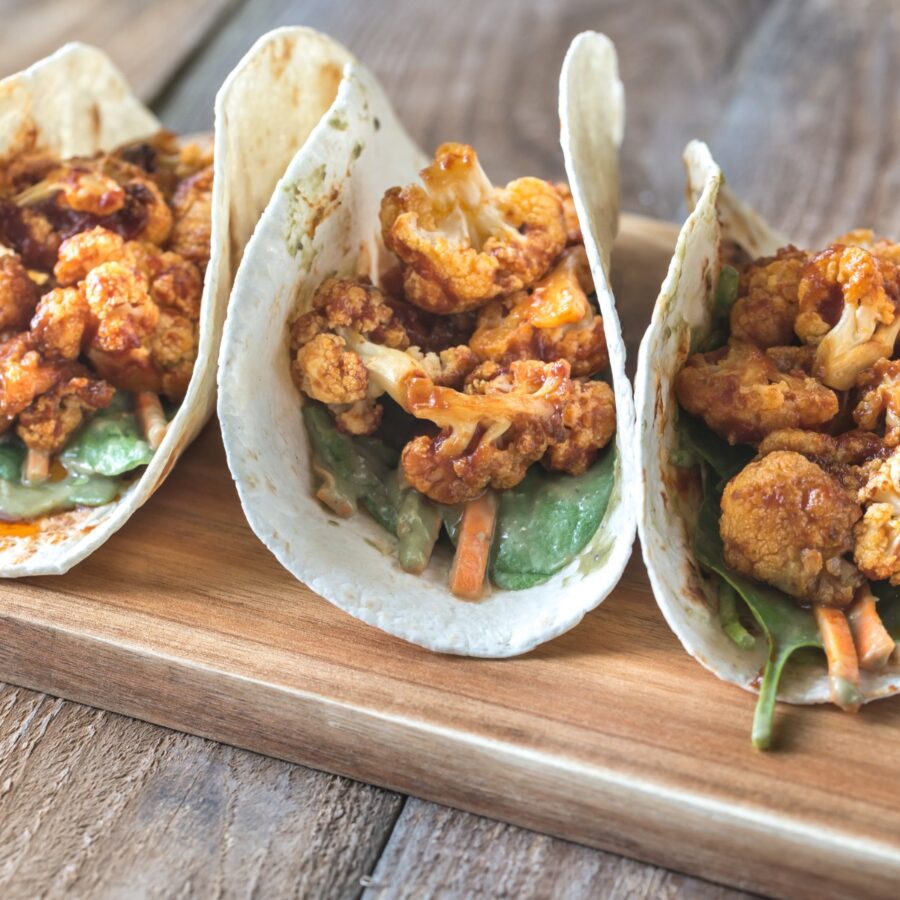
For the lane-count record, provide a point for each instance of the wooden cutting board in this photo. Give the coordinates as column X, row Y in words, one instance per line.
column 610, row 735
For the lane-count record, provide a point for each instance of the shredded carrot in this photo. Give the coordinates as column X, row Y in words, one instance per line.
column 873, row 643
column 843, row 666
column 151, row 417
column 473, row 547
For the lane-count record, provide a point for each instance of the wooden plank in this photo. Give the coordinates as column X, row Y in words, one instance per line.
column 810, row 134
column 610, row 735
column 97, row 805
column 487, row 74
column 436, row 851
column 149, row 41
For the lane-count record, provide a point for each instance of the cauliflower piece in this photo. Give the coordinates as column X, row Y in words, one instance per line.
column 85, row 251
column 787, row 522
column 192, row 207
column 325, row 370
column 742, row 395
column 345, row 303
column 361, row 417
column 846, row 313
column 24, row 375
column 49, row 421
column 553, row 320
column 767, row 302
column 30, row 233
column 172, row 346
column 79, row 185
column 59, row 324
column 18, row 293
column 849, row 456
column 450, row 367
column 570, row 216
column 880, row 399
column 489, row 435
column 590, row 422
column 877, row 550
column 462, row 241
column 119, row 298
column 173, row 280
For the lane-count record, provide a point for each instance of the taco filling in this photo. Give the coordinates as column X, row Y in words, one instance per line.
column 456, row 389
column 790, row 407
column 102, row 261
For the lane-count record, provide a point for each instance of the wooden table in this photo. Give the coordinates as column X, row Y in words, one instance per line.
column 798, row 101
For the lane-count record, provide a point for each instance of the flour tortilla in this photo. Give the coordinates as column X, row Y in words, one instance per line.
column 76, row 102
column 666, row 514
column 323, row 219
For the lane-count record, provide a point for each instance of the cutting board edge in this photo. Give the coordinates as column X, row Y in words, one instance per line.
column 640, row 819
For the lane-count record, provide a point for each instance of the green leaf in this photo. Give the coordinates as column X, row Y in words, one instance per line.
column 19, row 501
column 111, row 443
column 12, row 456
column 358, row 472
column 699, row 442
column 546, row 520
column 787, row 627
column 725, row 297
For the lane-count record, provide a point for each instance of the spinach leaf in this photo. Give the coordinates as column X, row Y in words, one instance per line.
column 110, row 443
column 787, row 627
column 699, row 443
column 12, row 455
column 725, row 297
column 546, row 521
column 358, row 474
column 361, row 470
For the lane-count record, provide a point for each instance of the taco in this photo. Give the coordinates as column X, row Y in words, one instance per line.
column 117, row 245
column 421, row 386
column 767, row 390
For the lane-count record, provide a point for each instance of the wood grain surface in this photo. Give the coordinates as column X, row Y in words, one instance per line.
column 799, row 102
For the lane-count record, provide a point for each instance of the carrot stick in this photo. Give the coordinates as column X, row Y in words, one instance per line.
column 873, row 643
column 843, row 666
column 473, row 547
column 37, row 466
column 151, row 417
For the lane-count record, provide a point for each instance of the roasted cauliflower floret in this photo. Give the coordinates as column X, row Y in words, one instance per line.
column 192, row 206
column 24, row 375
column 59, row 324
column 30, row 233
column 489, row 435
column 846, row 313
column 553, row 320
column 878, row 533
column 850, row 456
column 119, row 298
column 325, row 370
column 173, row 280
column 450, row 367
column 767, row 302
column 173, row 349
column 49, row 421
column 742, row 395
column 787, row 522
column 18, row 293
column 361, row 417
column 589, row 418
column 879, row 402
column 345, row 303
column 462, row 241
